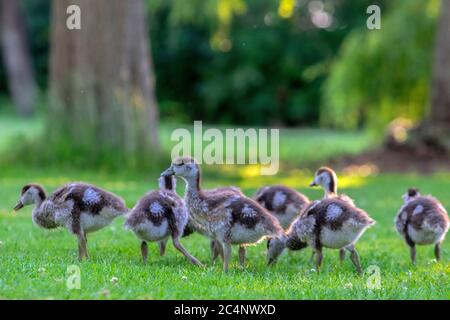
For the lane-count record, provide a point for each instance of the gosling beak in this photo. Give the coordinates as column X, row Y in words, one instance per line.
column 169, row 172
column 18, row 206
column 313, row 184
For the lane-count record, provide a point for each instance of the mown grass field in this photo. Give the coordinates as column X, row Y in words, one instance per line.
column 297, row 147
column 34, row 262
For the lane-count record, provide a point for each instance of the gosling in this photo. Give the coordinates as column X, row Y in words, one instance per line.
column 159, row 215
column 422, row 220
column 334, row 222
column 79, row 207
column 228, row 219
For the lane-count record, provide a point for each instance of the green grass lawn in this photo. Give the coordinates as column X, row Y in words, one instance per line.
column 297, row 147
column 13, row 129
column 34, row 262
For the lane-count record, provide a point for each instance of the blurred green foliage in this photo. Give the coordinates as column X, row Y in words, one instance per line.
column 383, row 74
column 260, row 62
column 267, row 70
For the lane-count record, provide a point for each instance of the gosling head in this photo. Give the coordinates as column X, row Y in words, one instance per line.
column 167, row 183
column 183, row 167
column 275, row 247
column 326, row 178
column 30, row 194
column 410, row 195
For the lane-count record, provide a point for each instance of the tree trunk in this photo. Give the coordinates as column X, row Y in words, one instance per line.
column 102, row 82
column 439, row 117
column 16, row 56
column 432, row 136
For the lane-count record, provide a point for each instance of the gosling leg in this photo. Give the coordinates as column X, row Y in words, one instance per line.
column 412, row 253
column 355, row 259
column 216, row 250
column 242, row 252
column 191, row 258
column 162, row 247
column 319, row 258
column 226, row 255
column 437, row 251
column 82, row 247
column 341, row 255
column 144, row 251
